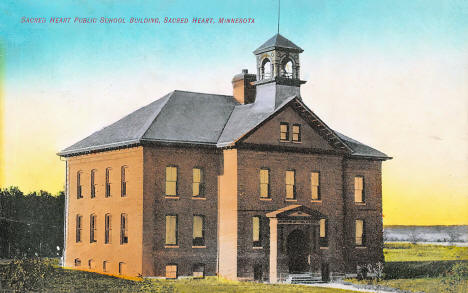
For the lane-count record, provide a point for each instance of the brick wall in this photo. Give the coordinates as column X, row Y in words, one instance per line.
column 114, row 252
column 251, row 204
column 184, row 206
column 370, row 211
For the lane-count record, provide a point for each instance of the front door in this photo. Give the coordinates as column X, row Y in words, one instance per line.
column 298, row 251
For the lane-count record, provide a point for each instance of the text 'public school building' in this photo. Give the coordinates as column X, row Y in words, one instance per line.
column 252, row 186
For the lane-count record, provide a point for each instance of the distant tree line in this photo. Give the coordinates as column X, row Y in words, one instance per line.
column 30, row 224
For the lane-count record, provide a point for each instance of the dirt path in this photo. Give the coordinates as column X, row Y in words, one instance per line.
column 356, row 288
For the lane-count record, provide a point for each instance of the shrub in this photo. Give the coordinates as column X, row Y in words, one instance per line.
column 418, row 269
column 454, row 281
column 26, row 274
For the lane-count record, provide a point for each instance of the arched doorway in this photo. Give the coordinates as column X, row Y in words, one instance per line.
column 298, row 251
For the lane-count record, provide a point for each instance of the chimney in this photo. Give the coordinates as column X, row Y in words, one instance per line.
column 243, row 87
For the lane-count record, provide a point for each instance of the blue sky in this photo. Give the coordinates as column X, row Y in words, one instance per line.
column 402, row 26
column 391, row 74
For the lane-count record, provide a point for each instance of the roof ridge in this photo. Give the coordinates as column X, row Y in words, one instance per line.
column 151, row 121
column 224, row 126
column 184, row 91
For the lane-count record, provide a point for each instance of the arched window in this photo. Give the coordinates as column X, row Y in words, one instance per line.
column 92, row 228
column 79, row 187
column 123, row 181
column 107, row 228
column 93, row 183
column 265, row 70
column 287, row 68
column 108, row 182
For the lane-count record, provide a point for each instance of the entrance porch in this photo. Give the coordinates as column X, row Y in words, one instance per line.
column 294, row 243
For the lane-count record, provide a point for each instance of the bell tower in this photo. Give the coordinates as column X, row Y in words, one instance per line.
column 278, row 61
column 278, row 71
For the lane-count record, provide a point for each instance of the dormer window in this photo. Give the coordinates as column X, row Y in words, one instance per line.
column 284, row 131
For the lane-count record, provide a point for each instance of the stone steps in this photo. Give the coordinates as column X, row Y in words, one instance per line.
column 306, row 278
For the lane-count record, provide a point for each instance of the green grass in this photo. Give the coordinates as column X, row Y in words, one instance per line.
column 63, row 280
column 214, row 285
column 423, row 268
column 427, row 285
column 396, row 252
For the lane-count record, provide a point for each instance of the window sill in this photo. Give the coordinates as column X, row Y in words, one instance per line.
column 257, row 247
column 198, row 198
column 324, row 247
column 198, row 246
column 296, row 141
column 361, row 247
column 266, row 198
column 316, row 200
column 284, row 140
column 292, row 199
column 171, row 246
column 360, row 203
column 171, row 197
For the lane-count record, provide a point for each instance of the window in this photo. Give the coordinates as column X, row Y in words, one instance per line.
column 323, row 240
column 287, row 68
column 78, row 185
column 105, row 265
column 284, row 131
column 93, row 183
column 360, row 233
column 107, row 228
column 265, row 70
column 358, row 189
column 123, row 229
column 290, row 184
column 256, row 232
column 171, row 230
column 171, row 271
column 78, row 227
column 108, row 182
column 92, row 228
column 123, row 181
column 171, row 181
column 296, row 133
column 77, row 262
column 90, row 264
column 264, row 183
column 315, row 185
column 198, row 230
column 197, row 184
column 121, row 268
column 199, row 271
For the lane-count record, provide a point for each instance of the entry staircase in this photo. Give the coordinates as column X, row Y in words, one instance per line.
column 304, row 278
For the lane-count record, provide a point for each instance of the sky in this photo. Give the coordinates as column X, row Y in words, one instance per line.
column 391, row 74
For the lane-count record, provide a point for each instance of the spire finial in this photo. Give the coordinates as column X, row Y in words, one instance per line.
column 279, row 7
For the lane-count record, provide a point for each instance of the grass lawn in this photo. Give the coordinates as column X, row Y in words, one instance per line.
column 427, row 285
column 64, row 280
column 423, row 252
column 422, row 268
